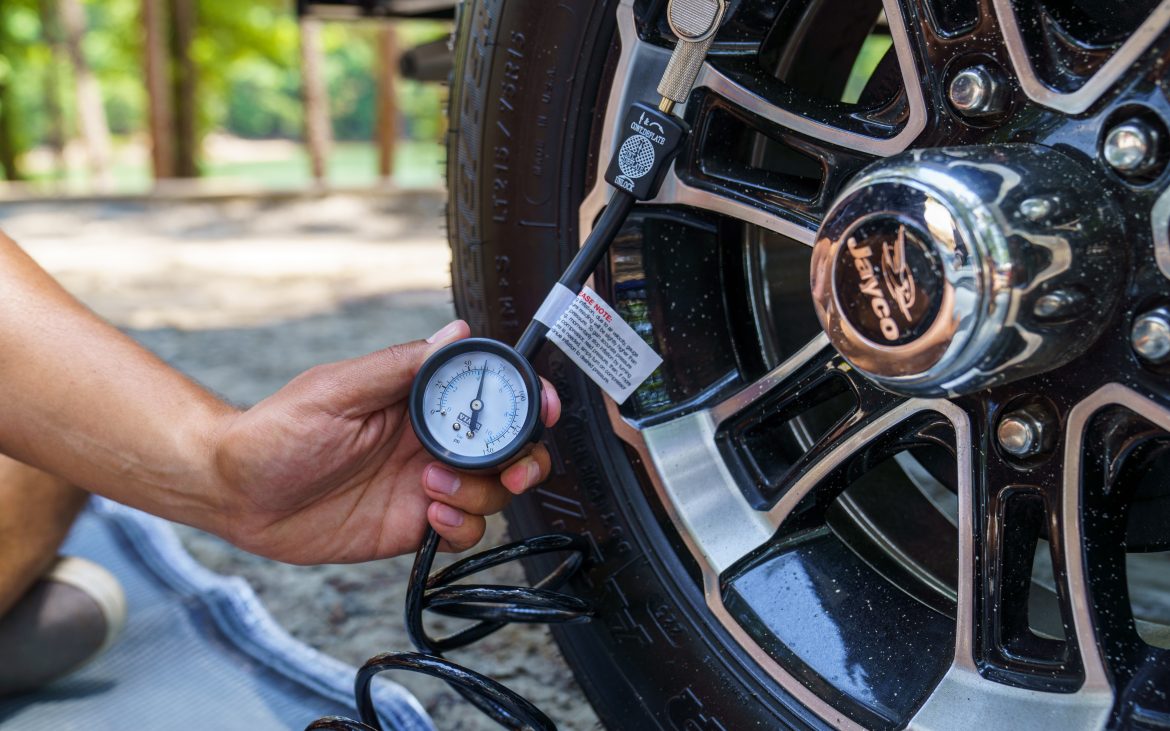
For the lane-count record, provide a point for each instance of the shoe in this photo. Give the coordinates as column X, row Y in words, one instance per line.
column 69, row 617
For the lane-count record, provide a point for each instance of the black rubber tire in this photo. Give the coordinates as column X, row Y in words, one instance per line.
column 522, row 110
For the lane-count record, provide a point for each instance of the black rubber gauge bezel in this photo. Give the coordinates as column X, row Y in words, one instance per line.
column 529, row 432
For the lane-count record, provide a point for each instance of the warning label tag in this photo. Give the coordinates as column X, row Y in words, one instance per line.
column 600, row 342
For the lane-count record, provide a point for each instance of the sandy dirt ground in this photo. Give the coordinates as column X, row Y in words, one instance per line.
column 242, row 295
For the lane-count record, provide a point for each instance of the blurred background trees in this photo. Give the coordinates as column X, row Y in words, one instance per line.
column 113, row 94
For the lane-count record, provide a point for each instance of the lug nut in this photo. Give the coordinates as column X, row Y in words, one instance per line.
column 1055, row 304
column 1020, row 434
column 1037, row 209
column 976, row 92
column 1151, row 336
column 1131, row 147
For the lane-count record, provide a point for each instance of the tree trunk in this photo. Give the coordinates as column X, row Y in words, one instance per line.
column 185, row 83
column 318, row 130
column 55, row 131
column 387, row 70
column 158, row 89
column 9, row 154
column 95, row 130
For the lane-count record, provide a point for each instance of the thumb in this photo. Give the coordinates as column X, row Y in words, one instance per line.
column 378, row 380
column 450, row 333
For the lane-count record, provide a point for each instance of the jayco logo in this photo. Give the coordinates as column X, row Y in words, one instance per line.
column 897, row 275
column 871, row 288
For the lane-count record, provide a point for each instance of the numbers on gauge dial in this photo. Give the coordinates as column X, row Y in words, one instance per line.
column 477, row 390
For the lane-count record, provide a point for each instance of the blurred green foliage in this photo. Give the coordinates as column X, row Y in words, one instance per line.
column 113, row 47
column 20, row 29
column 247, row 56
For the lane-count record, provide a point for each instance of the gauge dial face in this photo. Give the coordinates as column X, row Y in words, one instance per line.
column 475, row 404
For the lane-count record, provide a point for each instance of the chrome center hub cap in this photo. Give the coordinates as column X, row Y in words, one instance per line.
column 933, row 273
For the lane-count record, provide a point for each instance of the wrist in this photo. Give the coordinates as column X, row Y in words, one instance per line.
column 215, row 492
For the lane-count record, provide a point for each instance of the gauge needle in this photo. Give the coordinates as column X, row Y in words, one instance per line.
column 477, row 404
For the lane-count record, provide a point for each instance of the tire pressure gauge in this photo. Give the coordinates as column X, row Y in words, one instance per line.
column 475, row 405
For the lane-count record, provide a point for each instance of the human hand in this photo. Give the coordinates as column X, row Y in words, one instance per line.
column 328, row 469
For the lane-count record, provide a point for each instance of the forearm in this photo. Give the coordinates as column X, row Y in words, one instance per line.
column 83, row 401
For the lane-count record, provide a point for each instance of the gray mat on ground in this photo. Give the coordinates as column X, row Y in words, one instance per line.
column 198, row 652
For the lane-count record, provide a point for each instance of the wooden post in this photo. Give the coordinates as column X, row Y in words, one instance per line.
column 158, row 89
column 55, row 132
column 387, row 108
column 185, row 84
column 9, row 154
column 318, row 130
column 91, row 113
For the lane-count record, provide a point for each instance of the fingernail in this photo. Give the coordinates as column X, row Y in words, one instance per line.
column 448, row 515
column 447, row 331
column 441, row 480
column 529, row 472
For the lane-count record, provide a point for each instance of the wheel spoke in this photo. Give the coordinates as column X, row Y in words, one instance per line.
column 869, row 437
column 811, row 357
column 775, row 156
column 695, row 456
column 946, row 33
column 639, row 67
column 696, row 479
column 676, row 191
column 1110, row 436
column 769, row 103
column 1004, row 670
column 826, row 378
column 1096, row 85
column 773, row 102
column 1015, row 640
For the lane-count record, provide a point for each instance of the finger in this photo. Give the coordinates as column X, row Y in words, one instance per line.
column 375, row 381
column 474, row 494
column 550, row 403
column 458, row 530
column 528, row 472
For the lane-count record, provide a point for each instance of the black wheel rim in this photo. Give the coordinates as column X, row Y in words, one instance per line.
column 1012, row 575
